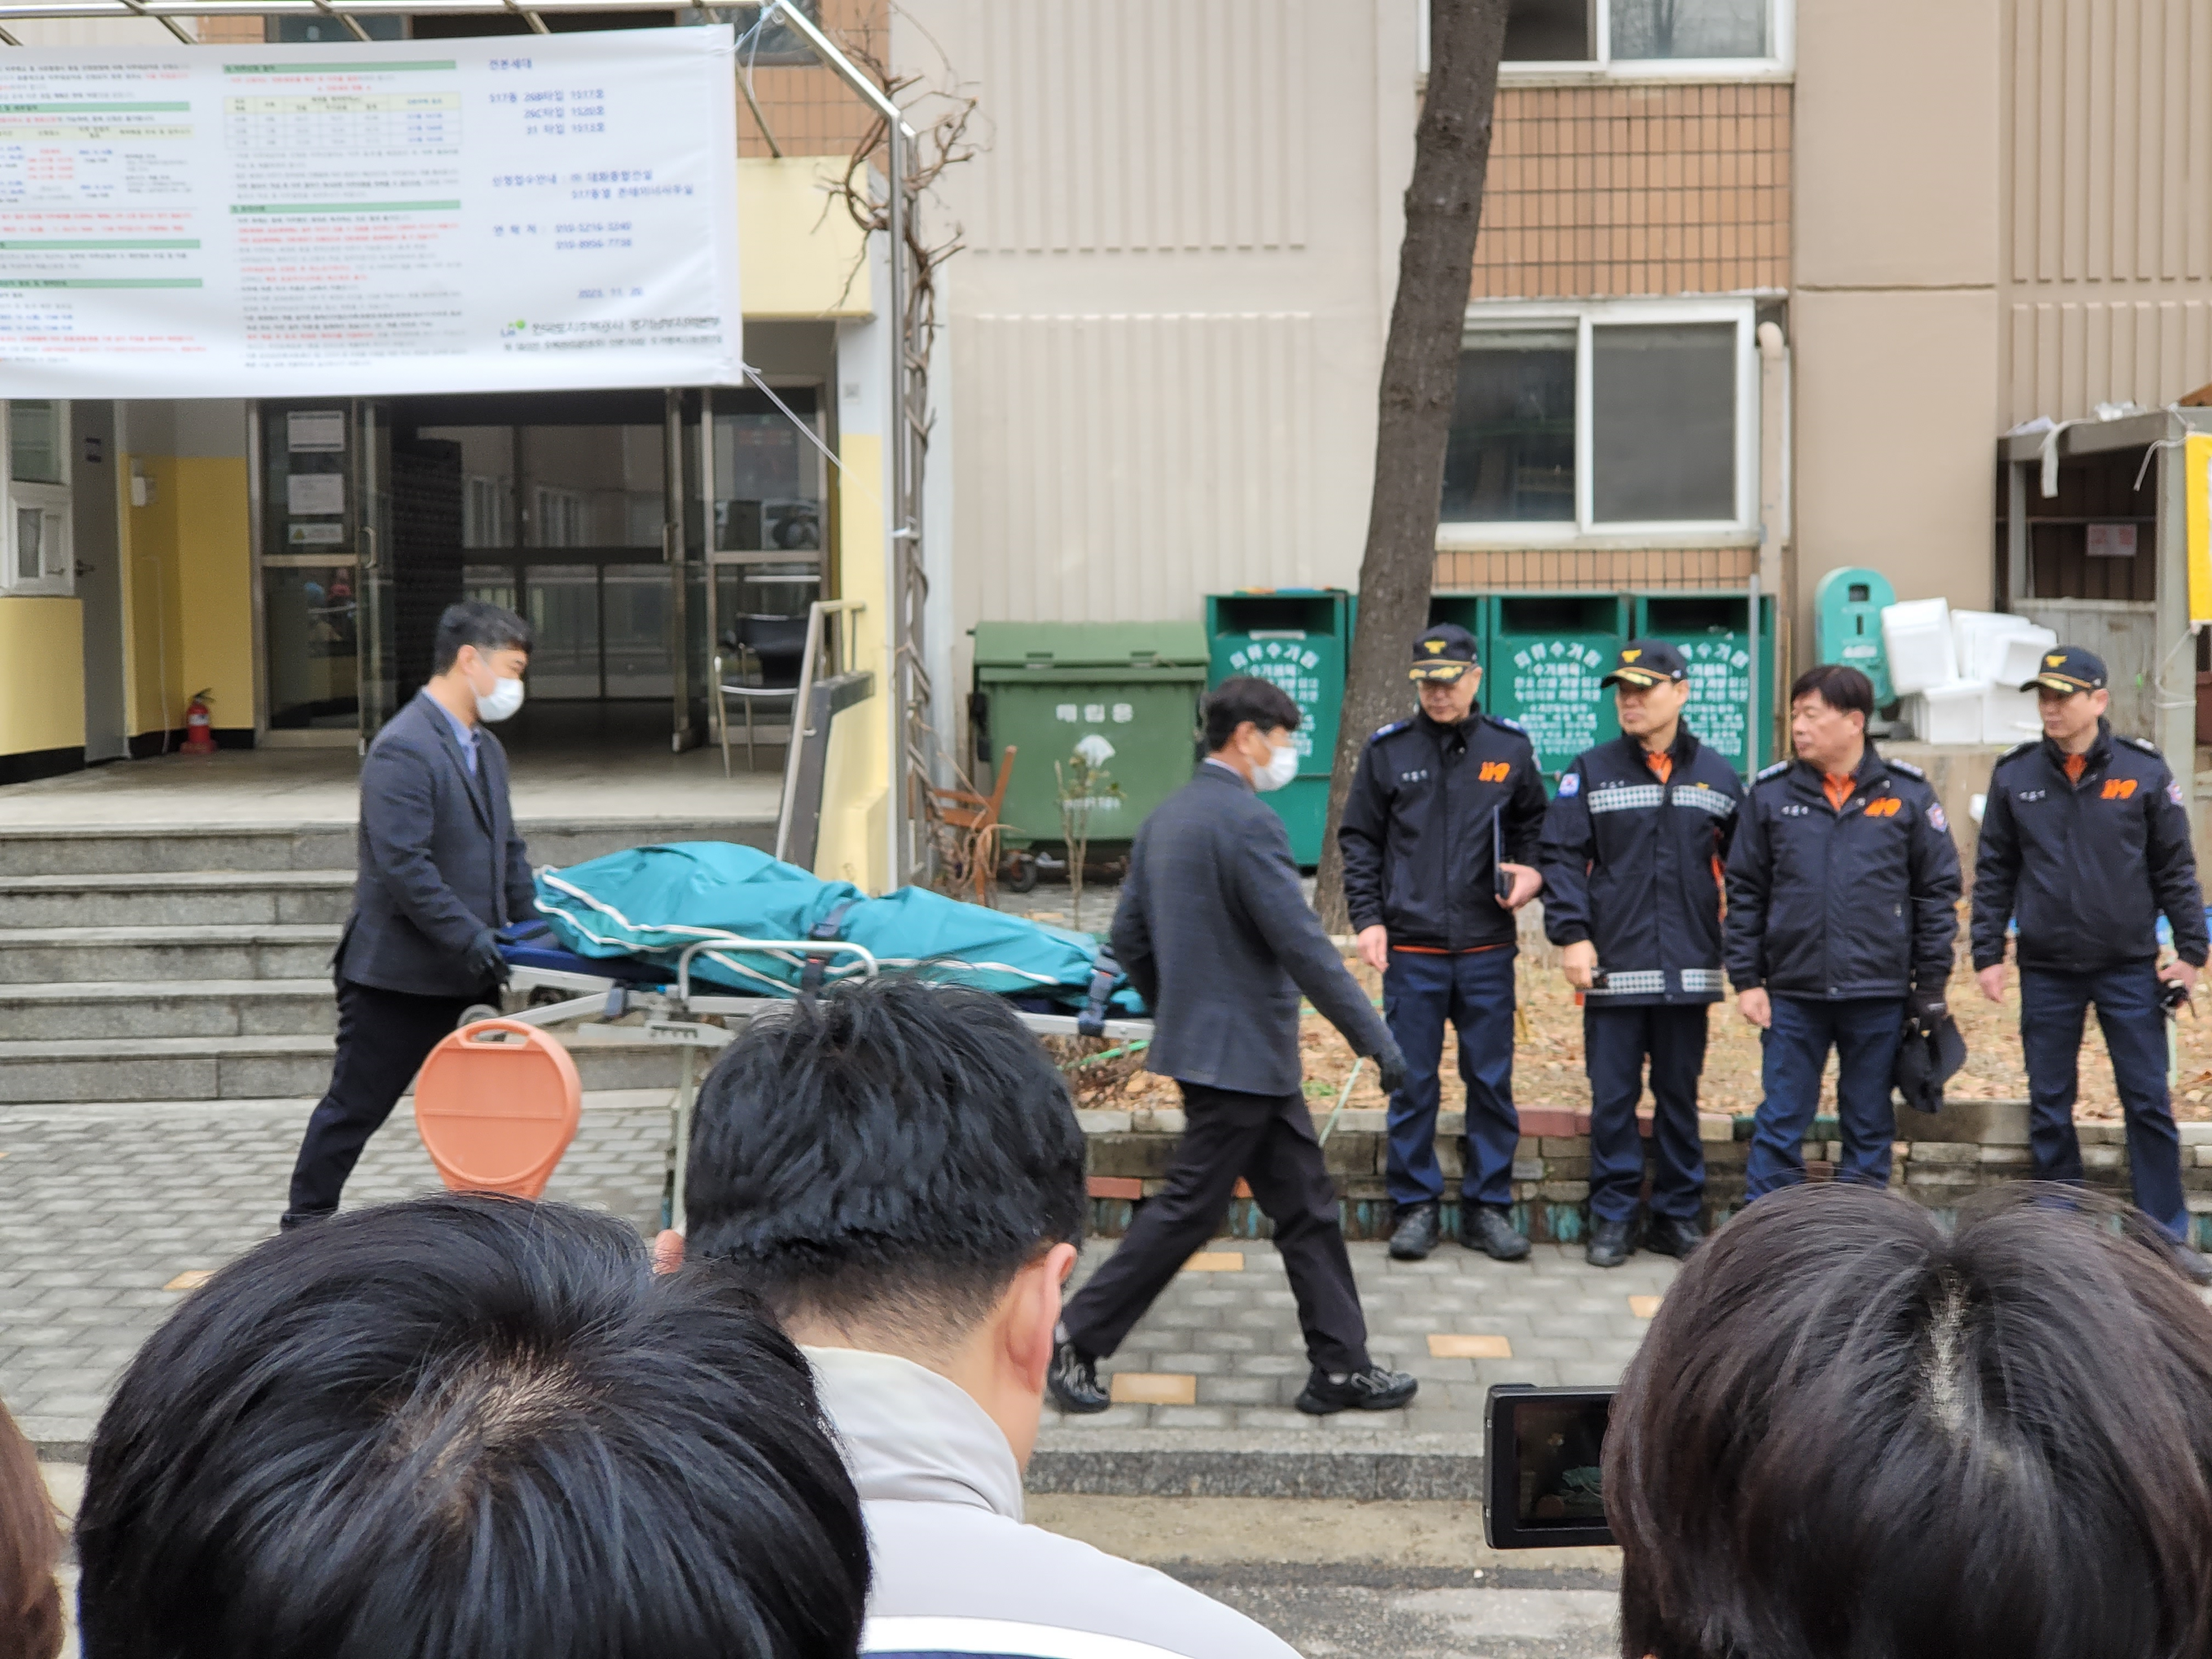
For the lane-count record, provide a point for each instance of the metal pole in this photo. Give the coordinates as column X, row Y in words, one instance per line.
column 900, row 530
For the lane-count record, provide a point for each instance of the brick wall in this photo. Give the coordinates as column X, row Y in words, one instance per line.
column 1939, row 1160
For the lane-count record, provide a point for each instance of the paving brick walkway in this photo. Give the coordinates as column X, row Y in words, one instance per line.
column 103, row 1208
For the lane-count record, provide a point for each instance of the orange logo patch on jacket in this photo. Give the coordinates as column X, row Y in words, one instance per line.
column 2118, row 788
column 1493, row 771
column 1886, row 806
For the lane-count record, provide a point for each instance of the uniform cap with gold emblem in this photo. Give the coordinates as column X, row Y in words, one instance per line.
column 1445, row 653
column 1647, row 662
column 2068, row 669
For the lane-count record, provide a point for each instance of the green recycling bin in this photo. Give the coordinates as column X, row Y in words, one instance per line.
column 1044, row 688
column 1542, row 660
column 1713, row 633
column 1298, row 638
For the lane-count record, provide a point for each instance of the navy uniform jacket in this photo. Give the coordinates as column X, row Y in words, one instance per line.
column 439, row 861
column 1215, row 934
column 1632, row 866
column 1830, row 905
column 1418, row 827
column 2088, row 867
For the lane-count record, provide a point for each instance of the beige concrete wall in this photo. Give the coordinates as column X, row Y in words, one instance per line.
column 1164, row 331
column 1894, row 311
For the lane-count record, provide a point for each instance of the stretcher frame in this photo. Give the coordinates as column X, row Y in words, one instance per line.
column 674, row 1016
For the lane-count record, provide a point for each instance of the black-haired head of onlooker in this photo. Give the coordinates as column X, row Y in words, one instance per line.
column 467, row 1427
column 896, row 1167
column 1851, row 1432
column 30, row 1544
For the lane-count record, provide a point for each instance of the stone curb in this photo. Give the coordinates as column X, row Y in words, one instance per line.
column 1180, row 1463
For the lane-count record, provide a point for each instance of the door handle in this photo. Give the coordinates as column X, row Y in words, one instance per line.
column 368, row 547
column 84, row 569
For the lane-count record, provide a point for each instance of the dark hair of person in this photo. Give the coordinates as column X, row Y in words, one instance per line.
column 888, row 1156
column 1851, row 1432
column 30, row 1544
column 475, row 622
column 1838, row 684
column 1241, row 698
column 468, row 1427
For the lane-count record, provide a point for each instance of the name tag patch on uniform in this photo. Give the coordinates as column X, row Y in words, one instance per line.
column 1493, row 772
column 2120, row 788
column 1571, row 784
column 1886, row 807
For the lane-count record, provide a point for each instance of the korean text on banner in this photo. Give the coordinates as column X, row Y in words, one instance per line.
column 2198, row 461
column 533, row 212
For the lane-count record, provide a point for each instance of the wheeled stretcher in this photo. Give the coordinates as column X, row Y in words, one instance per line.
column 616, row 1002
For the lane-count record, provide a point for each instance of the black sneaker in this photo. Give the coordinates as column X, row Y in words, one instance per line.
column 1608, row 1244
column 1489, row 1228
column 1374, row 1390
column 1415, row 1234
column 1073, row 1380
column 1671, row 1235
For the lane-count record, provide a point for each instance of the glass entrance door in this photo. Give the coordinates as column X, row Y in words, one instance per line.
column 311, row 601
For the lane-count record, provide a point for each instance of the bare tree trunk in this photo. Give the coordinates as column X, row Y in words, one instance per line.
column 1420, row 375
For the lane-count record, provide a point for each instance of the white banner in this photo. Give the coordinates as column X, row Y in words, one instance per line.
column 526, row 212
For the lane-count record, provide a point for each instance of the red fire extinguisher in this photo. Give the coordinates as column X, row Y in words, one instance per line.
column 200, row 727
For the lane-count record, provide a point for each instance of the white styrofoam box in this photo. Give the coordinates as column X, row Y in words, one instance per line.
column 1981, row 639
column 2009, row 715
column 1916, row 637
column 2021, row 657
column 1950, row 713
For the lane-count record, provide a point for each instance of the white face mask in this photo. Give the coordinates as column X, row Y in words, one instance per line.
column 1282, row 766
column 506, row 697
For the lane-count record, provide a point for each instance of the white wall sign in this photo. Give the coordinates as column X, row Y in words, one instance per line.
column 516, row 213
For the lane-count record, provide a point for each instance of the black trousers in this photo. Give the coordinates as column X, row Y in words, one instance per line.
column 384, row 1036
column 1268, row 1139
column 1615, row 1042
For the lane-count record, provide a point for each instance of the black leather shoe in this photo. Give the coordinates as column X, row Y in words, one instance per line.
column 1374, row 1390
column 1415, row 1234
column 1671, row 1235
column 1073, row 1380
column 1608, row 1245
column 1489, row 1228
column 2191, row 1261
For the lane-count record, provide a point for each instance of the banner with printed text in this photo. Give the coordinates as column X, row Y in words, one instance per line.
column 538, row 212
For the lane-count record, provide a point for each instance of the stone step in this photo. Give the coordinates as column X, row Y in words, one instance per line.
column 176, row 898
column 131, row 850
column 178, row 956
column 103, row 1071
column 117, row 1009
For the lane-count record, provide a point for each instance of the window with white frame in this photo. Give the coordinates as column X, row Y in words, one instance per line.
column 1653, row 39
column 35, row 556
column 1615, row 417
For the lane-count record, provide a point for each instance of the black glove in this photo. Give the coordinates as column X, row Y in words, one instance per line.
column 1390, row 1066
column 1927, row 1009
column 484, row 961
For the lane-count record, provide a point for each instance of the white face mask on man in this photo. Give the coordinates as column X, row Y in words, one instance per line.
column 1282, row 766
column 504, row 698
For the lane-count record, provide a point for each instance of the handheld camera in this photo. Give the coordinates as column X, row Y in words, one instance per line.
column 1544, row 1455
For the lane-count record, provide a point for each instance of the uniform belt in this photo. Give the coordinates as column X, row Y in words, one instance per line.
column 1652, row 983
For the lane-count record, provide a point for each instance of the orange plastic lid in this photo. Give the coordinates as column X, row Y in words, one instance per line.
column 497, row 1102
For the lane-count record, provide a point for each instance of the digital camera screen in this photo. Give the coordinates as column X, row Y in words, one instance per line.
column 1560, row 1443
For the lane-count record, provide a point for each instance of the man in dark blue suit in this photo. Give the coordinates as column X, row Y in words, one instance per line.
column 442, row 870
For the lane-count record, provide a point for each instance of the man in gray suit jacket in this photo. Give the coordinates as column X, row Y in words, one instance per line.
column 441, row 870
column 1215, row 934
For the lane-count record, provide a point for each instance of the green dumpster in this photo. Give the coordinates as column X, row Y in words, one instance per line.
column 1042, row 687
column 1298, row 638
column 1713, row 633
column 1542, row 661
